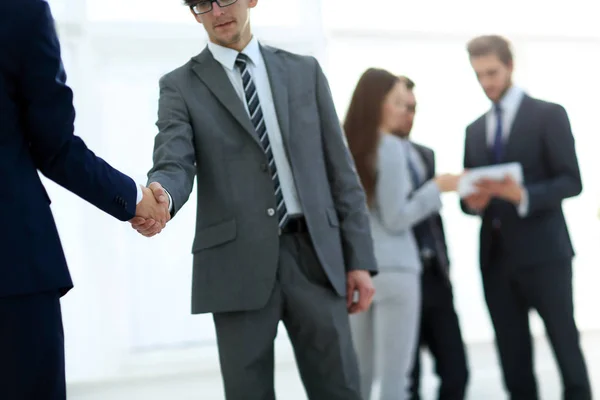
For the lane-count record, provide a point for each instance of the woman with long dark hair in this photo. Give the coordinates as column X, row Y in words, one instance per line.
column 385, row 336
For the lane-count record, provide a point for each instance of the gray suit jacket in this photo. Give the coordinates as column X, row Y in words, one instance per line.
column 204, row 131
column 398, row 209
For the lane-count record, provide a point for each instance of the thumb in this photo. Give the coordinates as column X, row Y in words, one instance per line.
column 159, row 192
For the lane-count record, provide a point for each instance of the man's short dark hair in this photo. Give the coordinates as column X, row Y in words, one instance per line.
column 491, row 44
column 409, row 83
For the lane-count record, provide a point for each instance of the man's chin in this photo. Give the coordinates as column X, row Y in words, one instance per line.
column 493, row 97
column 229, row 39
column 402, row 134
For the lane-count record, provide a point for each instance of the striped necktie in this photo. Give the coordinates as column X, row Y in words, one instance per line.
column 258, row 121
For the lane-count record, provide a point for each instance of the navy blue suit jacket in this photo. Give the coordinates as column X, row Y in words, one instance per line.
column 36, row 134
column 428, row 157
column 542, row 141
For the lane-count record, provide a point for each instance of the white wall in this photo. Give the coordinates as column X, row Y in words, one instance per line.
column 130, row 311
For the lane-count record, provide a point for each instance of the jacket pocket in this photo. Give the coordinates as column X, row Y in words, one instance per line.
column 215, row 235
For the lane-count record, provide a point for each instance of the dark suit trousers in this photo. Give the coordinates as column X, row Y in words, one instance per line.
column 317, row 323
column 440, row 333
column 510, row 293
column 32, row 365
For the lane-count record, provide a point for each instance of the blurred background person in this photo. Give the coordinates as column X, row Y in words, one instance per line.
column 525, row 250
column 386, row 335
column 440, row 329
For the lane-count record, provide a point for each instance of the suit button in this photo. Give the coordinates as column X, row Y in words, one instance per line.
column 271, row 212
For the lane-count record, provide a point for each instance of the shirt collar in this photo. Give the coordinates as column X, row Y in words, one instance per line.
column 226, row 56
column 511, row 99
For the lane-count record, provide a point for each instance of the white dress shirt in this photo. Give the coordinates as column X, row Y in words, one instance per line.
column 509, row 105
column 257, row 69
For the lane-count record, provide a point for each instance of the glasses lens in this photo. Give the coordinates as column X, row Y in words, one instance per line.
column 225, row 3
column 202, row 7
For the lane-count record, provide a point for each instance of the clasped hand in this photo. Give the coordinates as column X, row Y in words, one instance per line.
column 152, row 213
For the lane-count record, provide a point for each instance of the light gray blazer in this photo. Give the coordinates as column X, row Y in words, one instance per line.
column 397, row 208
column 205, row 132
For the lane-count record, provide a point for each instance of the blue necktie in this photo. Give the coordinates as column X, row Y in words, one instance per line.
column 498, row 145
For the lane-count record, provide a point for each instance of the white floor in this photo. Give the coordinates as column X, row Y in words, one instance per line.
column 485, row 381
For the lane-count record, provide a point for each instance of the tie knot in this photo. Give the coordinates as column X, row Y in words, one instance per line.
column 498, row 108
column 241, row 60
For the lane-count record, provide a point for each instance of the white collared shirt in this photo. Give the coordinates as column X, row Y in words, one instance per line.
column 509, row 105
column 258, row 70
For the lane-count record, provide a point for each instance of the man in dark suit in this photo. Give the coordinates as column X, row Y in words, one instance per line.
column 440, row 328
column 525, row 249
column 282, row 230
column 36, row 133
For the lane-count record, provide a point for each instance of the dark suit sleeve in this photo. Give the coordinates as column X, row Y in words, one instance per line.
column 561, row 163
column 48, row 117
column 466, row 165
column 348, row 194
column 432, row 158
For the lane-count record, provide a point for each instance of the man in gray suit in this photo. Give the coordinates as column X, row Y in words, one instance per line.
column 282, row 232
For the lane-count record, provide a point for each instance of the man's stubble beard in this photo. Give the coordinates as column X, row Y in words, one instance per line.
column 235, row 39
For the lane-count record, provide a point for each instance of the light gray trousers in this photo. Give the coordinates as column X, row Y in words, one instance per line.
column 385, row 336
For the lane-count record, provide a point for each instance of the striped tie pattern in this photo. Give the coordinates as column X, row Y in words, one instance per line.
column 258, row 121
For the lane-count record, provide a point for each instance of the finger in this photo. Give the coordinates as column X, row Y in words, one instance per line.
column 148, row 226
column 159, row 192
column 354, row 309
column 137, row 220
column 150, row 232
column 364, row 299
column 350, row 296
column 145, row 226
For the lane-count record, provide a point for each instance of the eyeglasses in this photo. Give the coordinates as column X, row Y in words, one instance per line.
column 202, row 7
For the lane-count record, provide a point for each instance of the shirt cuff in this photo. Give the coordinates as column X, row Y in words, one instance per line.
column 523, row 207
column 140, row 194
column 170, row 201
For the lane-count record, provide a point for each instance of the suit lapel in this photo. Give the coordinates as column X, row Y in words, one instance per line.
column 480, row 143
column 214, row 77
column 518, row 126
column 427, row 160
column 278, row 79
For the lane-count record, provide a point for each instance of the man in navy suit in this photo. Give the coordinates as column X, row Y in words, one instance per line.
column 525, row 249
column 36, row 134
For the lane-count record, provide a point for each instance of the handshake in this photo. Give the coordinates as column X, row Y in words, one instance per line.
column 152, row 213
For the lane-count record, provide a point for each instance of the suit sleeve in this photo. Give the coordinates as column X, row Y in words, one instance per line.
column 398, row 209
column 561, row 164
column 174, row 150
column 348, row 194
column 48, row 122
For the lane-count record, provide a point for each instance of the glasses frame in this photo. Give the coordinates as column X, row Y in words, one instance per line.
column 211, row 6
